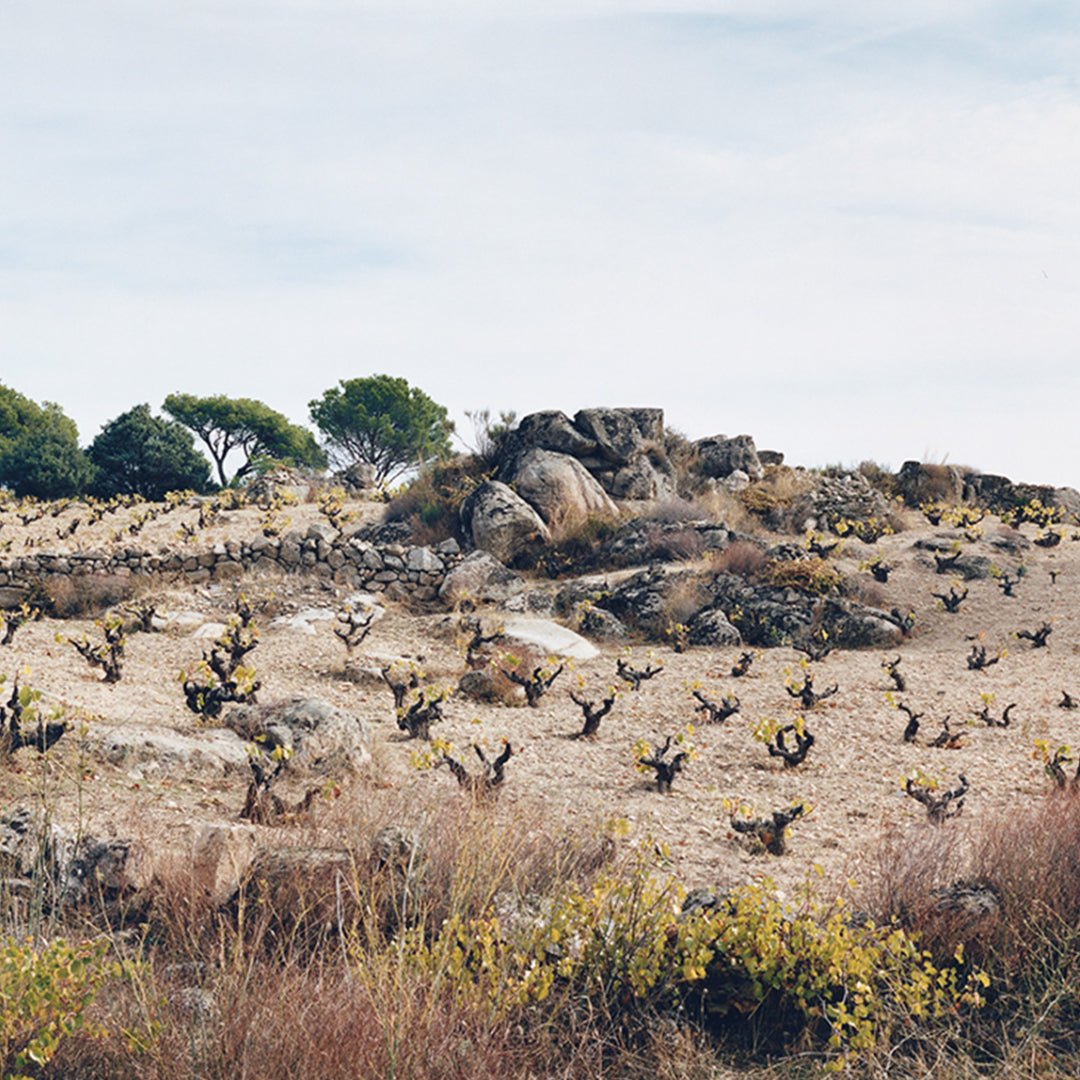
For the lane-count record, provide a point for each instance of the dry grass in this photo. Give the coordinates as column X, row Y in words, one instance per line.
column 81, row 596
column 742, row 558
column 1029, row 943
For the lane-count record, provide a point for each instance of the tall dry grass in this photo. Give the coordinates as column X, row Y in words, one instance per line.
column 1005, row 888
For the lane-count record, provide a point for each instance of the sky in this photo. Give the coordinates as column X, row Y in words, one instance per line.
column 849, row 229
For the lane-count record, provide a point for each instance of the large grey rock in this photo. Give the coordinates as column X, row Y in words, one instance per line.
column 357, row 479
column 712, row 628
column 650, row 601
column 615, row 433
column 864, row 628
column 641, row 479
column 595, row 622
column 560, row 488
column 278, row 483
column 67, row 867
column 720, row 456
column 548, row 637
column 324, row 740
column 551, row 430
column 649, row 421
column 481, row 578
column 499, row 521
column 157, row 751
column 220, row 857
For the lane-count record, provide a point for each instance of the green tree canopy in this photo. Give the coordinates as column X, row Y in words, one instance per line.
column 141, row 454
column 39, row 449
column 225, row 424
column 384, row 422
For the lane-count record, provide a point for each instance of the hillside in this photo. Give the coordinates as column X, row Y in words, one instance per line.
column 141, row 788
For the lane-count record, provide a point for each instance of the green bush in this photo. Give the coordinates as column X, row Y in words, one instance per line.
column 623, row 947
column 45, row 994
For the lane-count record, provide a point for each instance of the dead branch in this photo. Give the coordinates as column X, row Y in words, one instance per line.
column 815, row 645
column 355, row 626
column 1068, row 701
column 805, row 693
column 952, row 601
column 978, row 660
column 906, row 623
column 535, row 685
column 484, row 784
column 742, row 665
column 108, row 654
column 143, row 612
column 593, row 714
column 1007, row 584
column 1056, row 771
column 892, row 669
column 778, row 747
column 945, row 563
column 948, row 739
column 987, row 718
column 420, row 715
column 14, row 618
column 636, row 677
column 770, row 831
column 478, row 640
column 665, row 770
column 261, row 805
column 1036, row 637
column 400, row 688
column 716, row 714
column 14, row 737
column 939, row 808
column 912, row 728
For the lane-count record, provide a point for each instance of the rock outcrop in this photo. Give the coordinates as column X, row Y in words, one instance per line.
column 559, row 487
column 500, row 522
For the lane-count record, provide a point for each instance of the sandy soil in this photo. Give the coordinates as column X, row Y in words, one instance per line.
column 852, row 778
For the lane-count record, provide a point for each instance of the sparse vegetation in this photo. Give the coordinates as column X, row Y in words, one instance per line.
column 941, row 805
column 222, row 677
column 107, row 654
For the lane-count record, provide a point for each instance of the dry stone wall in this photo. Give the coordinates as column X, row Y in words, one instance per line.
column 397, row 569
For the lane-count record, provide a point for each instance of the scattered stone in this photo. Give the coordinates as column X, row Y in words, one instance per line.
column 480, row 578
column 713, row 628
column 324, row 740
column 158, row 751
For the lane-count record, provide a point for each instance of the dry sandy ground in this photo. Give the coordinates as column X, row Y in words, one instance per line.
column 852, row 778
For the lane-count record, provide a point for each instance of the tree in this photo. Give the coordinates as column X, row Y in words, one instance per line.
column 141, row 454
column 225, row 424
column 39, row 449
column 383, row 422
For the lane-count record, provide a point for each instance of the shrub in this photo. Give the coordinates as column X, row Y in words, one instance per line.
column 880, row 477
column 431, row 504
column 1005, row 887
column 741, row 557
column 75, row 596
column 815, row 576
column 46, row 991
column 576, row 545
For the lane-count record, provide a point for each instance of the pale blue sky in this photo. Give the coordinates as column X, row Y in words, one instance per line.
column 849, row 229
